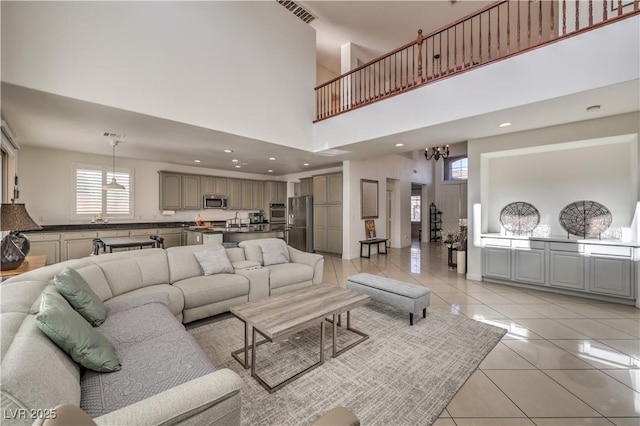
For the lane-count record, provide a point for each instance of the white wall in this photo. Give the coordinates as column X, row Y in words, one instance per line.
column 47, row 186
column 568, row 187
column 191, row 62
column 393, row 170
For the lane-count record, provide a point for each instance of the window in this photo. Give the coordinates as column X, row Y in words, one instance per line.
column 92, row 200
column 456, row 168
column 416, row 202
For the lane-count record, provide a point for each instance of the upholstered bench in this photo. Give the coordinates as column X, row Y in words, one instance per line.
column 403, row 296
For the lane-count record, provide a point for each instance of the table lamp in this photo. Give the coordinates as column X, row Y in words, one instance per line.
column 15, row 245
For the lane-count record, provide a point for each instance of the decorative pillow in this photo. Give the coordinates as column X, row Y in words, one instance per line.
column 214, row 261
column 74, row 335
column 76, row 290
column 273, row 253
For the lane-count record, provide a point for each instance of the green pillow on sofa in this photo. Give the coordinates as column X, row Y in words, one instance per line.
column 84, row 344
column 76, row 290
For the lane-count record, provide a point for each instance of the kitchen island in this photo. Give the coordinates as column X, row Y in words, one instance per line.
column 234, row 234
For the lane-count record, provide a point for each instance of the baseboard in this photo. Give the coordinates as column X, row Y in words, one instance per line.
column 474, row 277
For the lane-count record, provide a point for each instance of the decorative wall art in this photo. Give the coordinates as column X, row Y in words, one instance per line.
column 370, row 229
column 519, row 217
column 585, row 218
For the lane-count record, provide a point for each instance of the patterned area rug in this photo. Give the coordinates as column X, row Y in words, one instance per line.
column 401, row 375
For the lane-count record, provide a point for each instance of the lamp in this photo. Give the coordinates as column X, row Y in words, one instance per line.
column 15, row 246
column 436, row 153
column 113, row 185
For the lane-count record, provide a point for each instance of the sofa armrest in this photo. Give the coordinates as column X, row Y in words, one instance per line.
column 316, row 261
column 214, row 398
column 258, row 282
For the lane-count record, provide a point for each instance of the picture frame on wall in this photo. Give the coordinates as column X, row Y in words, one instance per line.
column 369, row 198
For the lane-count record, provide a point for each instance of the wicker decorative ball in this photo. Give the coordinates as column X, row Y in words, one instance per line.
column 519, row 217
column 585, row 218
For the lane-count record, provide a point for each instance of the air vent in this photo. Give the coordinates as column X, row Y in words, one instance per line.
column 114, row 135
column 297, row 10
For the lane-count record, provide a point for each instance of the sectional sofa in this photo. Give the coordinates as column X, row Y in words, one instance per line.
column 148, row 294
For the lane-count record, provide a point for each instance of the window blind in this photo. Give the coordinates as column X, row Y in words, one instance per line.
column 91, row 199
column 88, row 191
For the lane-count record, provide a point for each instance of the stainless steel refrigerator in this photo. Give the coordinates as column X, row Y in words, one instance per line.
column 300, row 222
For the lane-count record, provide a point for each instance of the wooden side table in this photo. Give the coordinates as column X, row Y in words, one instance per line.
column 31, row 263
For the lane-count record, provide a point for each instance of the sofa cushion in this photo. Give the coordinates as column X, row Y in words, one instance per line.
column 76, row 290
column 75, row 335
column 183, row 264
column 203, row 290
column 156, row 352
column 289, row 273
column 253, row 251
column 274, row 253
column 134, row 269
column 176, row 299
column 214, row 261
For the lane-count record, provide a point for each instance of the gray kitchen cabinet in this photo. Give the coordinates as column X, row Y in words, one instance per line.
column 528, row 261
column 234, row 194
column 327, row 210
column 320, row 189
column 275, row 192
column 220, row 186
column 496, row 262
column 172, row 236
column 191, row 195
column 306, row 186
column 610, row 270
column 76, row 245
column 170, row 191
column 208, row 185
column 566, row 266
column 145, row 232
column 247, row 195
column 281, row 192
column 45, row 244
column 334, row 188
column 258, row 195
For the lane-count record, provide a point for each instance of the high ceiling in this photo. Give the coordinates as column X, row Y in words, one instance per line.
column 46, row 120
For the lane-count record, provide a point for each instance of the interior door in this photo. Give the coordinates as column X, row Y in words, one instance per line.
column 451, row 200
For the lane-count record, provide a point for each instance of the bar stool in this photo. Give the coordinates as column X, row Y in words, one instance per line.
column 97, row 245
column 159, row 240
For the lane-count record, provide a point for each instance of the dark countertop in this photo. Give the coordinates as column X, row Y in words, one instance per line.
column 263, row 228
column 110, row 225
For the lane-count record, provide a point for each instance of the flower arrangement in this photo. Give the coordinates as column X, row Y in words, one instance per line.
column 456, row 239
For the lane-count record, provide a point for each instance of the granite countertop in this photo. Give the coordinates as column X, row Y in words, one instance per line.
column 261, row 228
column 112, row 225
column 564, row 239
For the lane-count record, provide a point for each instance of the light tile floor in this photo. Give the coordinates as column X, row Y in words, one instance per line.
column 566, row 360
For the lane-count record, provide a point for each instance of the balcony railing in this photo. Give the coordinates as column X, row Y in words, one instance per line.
column 498, row 31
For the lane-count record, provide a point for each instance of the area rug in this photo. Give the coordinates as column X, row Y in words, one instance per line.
column 401, row 375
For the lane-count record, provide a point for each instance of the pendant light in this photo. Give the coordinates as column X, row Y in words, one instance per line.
column 113, row 185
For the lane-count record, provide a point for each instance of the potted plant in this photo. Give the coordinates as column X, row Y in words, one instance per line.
column 457, row 240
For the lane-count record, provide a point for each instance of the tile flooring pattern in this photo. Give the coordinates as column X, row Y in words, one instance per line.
column 565, row 360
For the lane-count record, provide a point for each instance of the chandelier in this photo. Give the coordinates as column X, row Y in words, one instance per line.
column 436, row 153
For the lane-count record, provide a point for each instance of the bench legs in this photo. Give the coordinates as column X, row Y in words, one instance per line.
column 424, row 315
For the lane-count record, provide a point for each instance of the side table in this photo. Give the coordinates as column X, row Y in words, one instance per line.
column 31, row 263
column 376, row 241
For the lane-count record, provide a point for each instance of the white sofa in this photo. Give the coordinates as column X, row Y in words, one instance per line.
column 37, row 375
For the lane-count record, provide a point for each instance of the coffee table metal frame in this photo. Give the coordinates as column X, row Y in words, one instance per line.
column 255, row 330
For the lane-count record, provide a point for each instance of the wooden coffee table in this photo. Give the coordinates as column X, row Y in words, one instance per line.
column 279, row 316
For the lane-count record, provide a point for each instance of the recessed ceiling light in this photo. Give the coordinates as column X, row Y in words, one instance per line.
column 238, row 166
column 270, row 171
column 305, row 164
column 196, row 161
column 234, row 161
column 506, row 124
column 593, row 108
column 399, row 144
column 272, row 158
column 228, row 151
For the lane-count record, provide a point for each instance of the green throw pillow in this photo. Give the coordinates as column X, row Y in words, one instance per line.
column 76, row 290
column 75, row 335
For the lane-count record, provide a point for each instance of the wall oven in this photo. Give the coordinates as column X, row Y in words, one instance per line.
column 277, row 213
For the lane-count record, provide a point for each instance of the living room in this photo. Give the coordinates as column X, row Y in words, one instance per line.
column 146, row 75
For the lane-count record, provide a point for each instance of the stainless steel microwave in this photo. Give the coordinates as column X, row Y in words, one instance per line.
column 211, row 201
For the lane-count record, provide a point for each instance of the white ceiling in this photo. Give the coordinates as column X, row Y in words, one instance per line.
column 45, row 120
